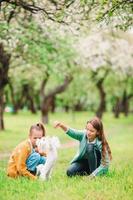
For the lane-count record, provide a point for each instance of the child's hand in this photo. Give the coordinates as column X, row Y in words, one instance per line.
column 56, row 124
column 91, row 177
column 40, row 152
column 60, row 125
column 36, row 149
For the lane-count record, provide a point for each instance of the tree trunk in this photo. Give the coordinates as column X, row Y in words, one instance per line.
column 102, row 105
column 32, row 105
column 66, row 107
column 46, row 99
column 124, row 103
column 116, row 109
column 78, row 107
column 4, row 67
column 1, row 111
column 29, row 97
column 52, row 105
column 15, row 104
column 45, row 110
column 45, row 119
column 99, row 84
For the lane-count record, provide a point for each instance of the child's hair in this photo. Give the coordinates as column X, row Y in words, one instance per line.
column 97, row 124
column 39, row 126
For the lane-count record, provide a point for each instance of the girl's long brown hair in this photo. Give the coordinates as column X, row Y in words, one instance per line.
column 97, row 124
column 39, row 126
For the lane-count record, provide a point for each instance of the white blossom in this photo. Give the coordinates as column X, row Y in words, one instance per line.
column 104, row 50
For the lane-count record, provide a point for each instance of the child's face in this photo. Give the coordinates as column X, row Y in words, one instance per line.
column 91, row 132
column 36, row 134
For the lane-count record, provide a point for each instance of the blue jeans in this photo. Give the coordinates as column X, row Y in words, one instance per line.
column 34, row 160
column 89, row 162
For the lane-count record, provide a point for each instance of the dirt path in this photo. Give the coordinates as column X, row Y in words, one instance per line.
column 4, row 155
column 63, row 146
column 69, row 145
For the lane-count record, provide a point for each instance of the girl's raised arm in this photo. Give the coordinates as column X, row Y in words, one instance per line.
column 60, row 125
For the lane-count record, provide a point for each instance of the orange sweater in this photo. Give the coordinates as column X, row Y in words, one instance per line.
column 17, row 162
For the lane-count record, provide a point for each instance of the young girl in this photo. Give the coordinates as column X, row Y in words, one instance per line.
column 25, row 157
column 94, row 153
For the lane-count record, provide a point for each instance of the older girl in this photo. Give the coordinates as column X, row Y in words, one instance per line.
column 94, row 153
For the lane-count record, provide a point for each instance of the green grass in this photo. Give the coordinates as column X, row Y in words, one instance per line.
column 118, row 184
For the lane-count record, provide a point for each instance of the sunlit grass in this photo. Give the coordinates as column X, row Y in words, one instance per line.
column 118, row 184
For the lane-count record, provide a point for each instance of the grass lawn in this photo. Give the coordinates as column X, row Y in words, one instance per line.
column 118, row 184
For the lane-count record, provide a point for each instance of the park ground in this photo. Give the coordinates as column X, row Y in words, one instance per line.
column 117, row 184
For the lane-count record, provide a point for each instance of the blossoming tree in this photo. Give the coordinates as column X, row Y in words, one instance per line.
column 103, row 53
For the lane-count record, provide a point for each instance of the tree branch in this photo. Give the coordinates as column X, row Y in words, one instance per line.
column 60, row 88
column 43, row 84
column 34, row 8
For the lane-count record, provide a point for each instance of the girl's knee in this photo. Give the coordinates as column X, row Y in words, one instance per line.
column 42, row 160
column 33, row 159
column 36, row 156
column 69, row 173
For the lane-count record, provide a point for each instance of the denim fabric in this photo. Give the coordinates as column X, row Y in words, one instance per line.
column 34, row 160
column 92, row 157
column 80, row 168
column 89, row 162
